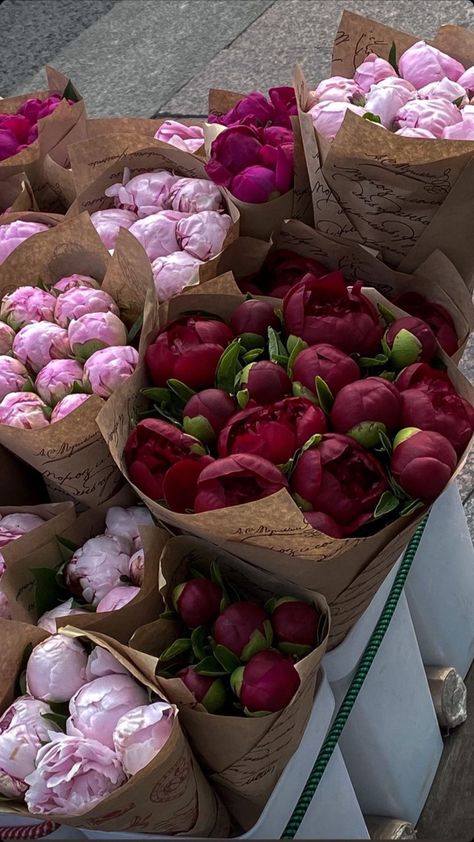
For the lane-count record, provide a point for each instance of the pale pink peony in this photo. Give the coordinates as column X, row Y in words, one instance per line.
column 35, row 345
column 26, row 305
column 173, row 273
column 108, row 223
column 444, row 89
column 422, row 64
column 23, row 409
column 72, row 775
column 96, row 708
column 192, row 195
column 57, row 379
column 67, row 405
column 337, row 89
column 101, row 662
column 94, row 331
column 77, row 302
column 144, row 194
column 328, row 117
column 410, row 132
column 97, row 567
column 187, row 138
column 56, row 669
column 386, row 97
column 74, row 282
column 22, row 731
column 47, row 620
column 202, row 235
column 7, row 335
column 431, row 114
column 108, row 368
column 13, row 376
column 467, row 79
column 141, row 733
column 137, row 568
column 15, row 525
column 372, row 70
column 157, row 233
column 461, row 131
column 125, row 523
column 14, row 233
column 117, row 598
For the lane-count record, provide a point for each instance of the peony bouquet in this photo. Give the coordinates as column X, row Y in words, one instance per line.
column 19, row 129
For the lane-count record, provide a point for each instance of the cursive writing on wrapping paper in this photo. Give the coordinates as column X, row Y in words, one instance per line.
column 366, row 43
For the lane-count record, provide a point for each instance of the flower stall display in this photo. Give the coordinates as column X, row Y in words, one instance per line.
column 239, row 653
column 82, row 711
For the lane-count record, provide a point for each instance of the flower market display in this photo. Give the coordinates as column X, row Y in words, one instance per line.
column 229, row 399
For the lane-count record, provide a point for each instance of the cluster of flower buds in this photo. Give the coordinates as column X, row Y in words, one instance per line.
column 18, row 130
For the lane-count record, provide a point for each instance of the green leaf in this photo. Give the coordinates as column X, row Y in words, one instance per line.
column 372, row 118
column 325, row 396
column 46, row 589
column 242, row 398
column 396, row 488
column 66, row 548
column 387, row 315
column 168, row 414
column 392, row 57
column 84, row 351
column 250, row 341
column 251, row 356
column 70, row 92
column 313, row 441
column 270, row 604
column 216, row 574
column 372, row 362
column 276, row 350
column 279, row 315
column 21, row 682
column 322, row 628
column 169, row 615
column 295, row 346
column 195, row 573
column 209, row 666
column 458, row 102
column 156, row 393
column 385, row 442
column 182, row 392
column 181, row 645
column 227, row 367
column 79, row 388
column 226, row 658
column 57, row 719
column 198, row 642
column 410, row 507
column 387, row 503
column 135, row 329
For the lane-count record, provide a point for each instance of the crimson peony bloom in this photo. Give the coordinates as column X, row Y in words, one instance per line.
column 188, row 350
column 435, row 315
column 237, row 479
column 422, row 463
column 266, row 684
column 365, row 406
column 335, row 367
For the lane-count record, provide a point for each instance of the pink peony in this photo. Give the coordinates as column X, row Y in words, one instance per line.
column 56, row 669
column 15, row 525
column 422, row 64
column 328, row 117
column 202, row 235
column 14, row 233
column 72, row 775
column 137, row 568
column 144, row 194
column 23, row 409
column 66, row 405
column 431, row 114
column 385, row 98
column 25, row 305
column 35, row 109
column 173, row 273
column 372, row 71
column 108, row 223
column 7, row 335
column 107, row 369
column 97, row 567
column 125, row 523
column 94, row 331
column 22, row 731
column 74, row 282
column 444, row 89
column 96, row 708
column 192, row 195
column 157, row 233
column 141, row 733
column 101, row 662
column 187, row 138
column 57, row 379
column 467, row 79
column 337, row 89
column 47, row 620
column 13, row 376
column 412, row 132
column 461, row 131
column 117, row 598
column 35, row 345
column 78, row 302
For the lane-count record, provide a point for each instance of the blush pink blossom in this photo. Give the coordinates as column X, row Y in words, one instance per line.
column 107, row 369
column 35, row 345
column 7, row 335
column 421, row 64
column 13, row 375
column 202, row 235
column 444, row 89
column 461, row 131
column 57, row 379
column 431, row 114
column 66, row 405
column 137, row 568
column 23, row 729
column 56, row 669
column 108, row 223
column 25, row 305
column 23, row 409
column 386, row 97
column 407, row 131
column 467, row 79
column 78, row 302
column 173, row 273
column 94, row 331
column 14, row 233
column 47, row 621
column 157, row 233
column 187, row 138
column 117, row 598
column 141, row 733
column 13, row 526
column 328, row 117
column 97, row 567
column 336, row 89
column 101, row 662
column 373, row 70
column 97, row 707
column 144, row 194
column 74, row 282
column 125, row 523
column 72, row 774
column 192, row 195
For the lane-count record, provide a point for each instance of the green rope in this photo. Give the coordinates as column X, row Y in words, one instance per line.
column 348, row 702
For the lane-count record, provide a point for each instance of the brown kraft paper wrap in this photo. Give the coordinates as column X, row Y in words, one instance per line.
column 51, row 130
column 16, row 194
column 20, row 485
column 169, row 796
column 263, row 219
column 70, row 454
column 57, row 169
column 18, row 582
column 270, row 533
column 402, row 196
column 135, row 125
column 243, row 756
column 57, row 518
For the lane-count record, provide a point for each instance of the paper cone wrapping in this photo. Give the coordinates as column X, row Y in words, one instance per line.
column 51, row 131
column 71, row 454
column 169, row 796
column 18, row 582
column 244, row 756
column 401, row 196
column 20, row 485
column 16, row 194
column 272, row 533
column 135, row 125
column 263, row 219
column 57, row 518
column 57, row 169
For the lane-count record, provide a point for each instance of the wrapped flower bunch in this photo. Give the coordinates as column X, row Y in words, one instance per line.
column 82, row 717
column 12, row 527
column 18, row 130
column 180, row 222
column 57, row 347
column 426, row 95
column 105, row 573
column 355, row 417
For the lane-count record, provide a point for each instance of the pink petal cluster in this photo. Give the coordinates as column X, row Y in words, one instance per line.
column 74, row 282
column 47, row 621
column 108, row 223
column 97, row 567
column 97, row 706
column 57, row 379
column 125, row 523
column 23, row 729
column 192, row 195
column 79, row 302
column 94, row 331
column 432, row 114
column 117, row 598
column 26, row 305
column 67, row 405
column 105, row 370
column 141, row 733
column 337, row 88
column 36, row 344
column 157, row 233
column 372, row 71
column 328, row 116
column 7, row 335
column 101, row 662
column 188, row 138
column 173, row 273
column 14, row 233
column 202, row 234
column 18, row 130
column 137, row 568
column 144, row 194
column 13, row 375
column 422, row 64
column 23, row 409
column 13, row 526
column 56, row 669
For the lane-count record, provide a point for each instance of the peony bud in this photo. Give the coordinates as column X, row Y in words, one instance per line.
column 26, row 305
column 364, row 408
column 67, row 405
column 421, row 63
column 328, row 117
column 266, row 684
column 108, row 368
column 244, row 628
column 431, row 114
column 387, row 97
column 97, row 707
column 187, row 138
column 373, row 70
column 7, row 335
column 444, row 89
column 208, row 691
column 203, row 234
column 117, row 598
column 410, row 340
column 23, row 728
column 57, row 379
column 422, row 462
column 295, row 626
column 125, row 523
column 35, row 345
column 157, row 233
column 14, row 526
column 335, row 367
column 80, row 301
column 13, row 376
column 56, row 669
column 206, row 413
column 337, row 89
column 144, row 194
column 192, row 195
column 173, row 273
column 461, row 131
column 23, row 409
column 141, row 733
column 108, row 223
column 101, row 662
column 466, row 80
column 265, row 381
column 96, row 567
column 94, row 331
column 137, row 568
column 188, row 350
column 13, row 234
column 47, row 620
column 74, row 282
column 254, row 317
column 198, row 602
